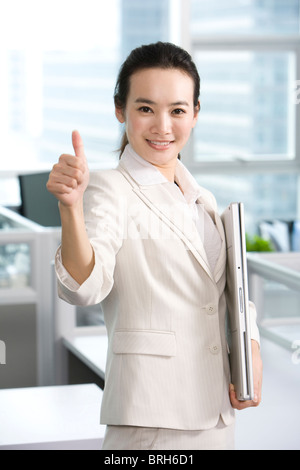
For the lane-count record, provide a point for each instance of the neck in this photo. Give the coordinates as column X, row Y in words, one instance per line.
column 168, row 171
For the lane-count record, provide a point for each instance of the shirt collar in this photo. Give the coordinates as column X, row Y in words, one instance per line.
column 144, row 173
column 187, row 182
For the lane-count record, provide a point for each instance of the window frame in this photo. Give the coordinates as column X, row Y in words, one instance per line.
column 255, row 44
column 239, row 42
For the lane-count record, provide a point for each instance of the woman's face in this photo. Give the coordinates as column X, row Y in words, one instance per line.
column 159, row 114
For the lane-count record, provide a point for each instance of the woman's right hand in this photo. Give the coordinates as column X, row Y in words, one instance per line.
column 69, row 177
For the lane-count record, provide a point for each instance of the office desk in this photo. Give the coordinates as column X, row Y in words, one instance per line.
column 54, row 418
column 89, row 345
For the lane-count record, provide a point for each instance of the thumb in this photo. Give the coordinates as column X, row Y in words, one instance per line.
column 78, row 144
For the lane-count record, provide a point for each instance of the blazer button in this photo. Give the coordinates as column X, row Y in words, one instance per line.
column 210, row 309
column 214, row 349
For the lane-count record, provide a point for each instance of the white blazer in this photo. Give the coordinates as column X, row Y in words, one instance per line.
column 167, row 363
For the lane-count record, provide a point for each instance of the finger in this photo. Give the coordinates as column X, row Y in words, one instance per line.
column 65, row 175
column 71, row 172
column 232, row 395
column 257, row 394
column 256, row 397
column 78, row 144
column 58, row 188
column 67, row 181
column 67, row 162
column 238, row 404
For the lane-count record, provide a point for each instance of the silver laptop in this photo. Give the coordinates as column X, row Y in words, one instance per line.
column 237, row 302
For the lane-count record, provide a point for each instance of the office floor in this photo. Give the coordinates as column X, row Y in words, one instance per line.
column 274, row 425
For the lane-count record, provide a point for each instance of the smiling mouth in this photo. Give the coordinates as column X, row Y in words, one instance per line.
column 158, row 143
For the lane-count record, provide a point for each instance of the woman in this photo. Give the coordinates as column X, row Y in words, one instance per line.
column 146, row 241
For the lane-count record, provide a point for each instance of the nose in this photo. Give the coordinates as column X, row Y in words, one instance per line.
column 162, row 124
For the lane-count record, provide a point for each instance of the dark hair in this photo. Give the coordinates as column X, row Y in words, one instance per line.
column 159, row 55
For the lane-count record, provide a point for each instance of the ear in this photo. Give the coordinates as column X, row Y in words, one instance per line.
column 119, row 114
column 196, row 113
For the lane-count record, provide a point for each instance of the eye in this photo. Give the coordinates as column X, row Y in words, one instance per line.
column 178, row 111
column 145, row 109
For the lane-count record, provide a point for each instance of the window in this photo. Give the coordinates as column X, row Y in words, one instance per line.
column 14, row 265
column 248, row 56
column 267, row 196
column 58, row 73
column 246, row 145
column 244, row 17
column 246, row 107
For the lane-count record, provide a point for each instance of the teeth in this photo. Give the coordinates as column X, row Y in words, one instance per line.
column 159, row 143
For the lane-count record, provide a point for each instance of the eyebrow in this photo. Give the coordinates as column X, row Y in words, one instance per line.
column 147, row 101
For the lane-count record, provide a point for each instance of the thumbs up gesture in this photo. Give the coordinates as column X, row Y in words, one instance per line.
column 70, row 176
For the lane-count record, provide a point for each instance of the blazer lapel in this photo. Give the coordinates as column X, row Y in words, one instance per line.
column 174, row 214
column 221, row 263
column 220, row 266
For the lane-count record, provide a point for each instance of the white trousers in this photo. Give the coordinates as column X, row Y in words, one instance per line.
column 137, row 438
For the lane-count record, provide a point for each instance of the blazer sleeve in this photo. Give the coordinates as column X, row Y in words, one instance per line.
column 103, row 209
